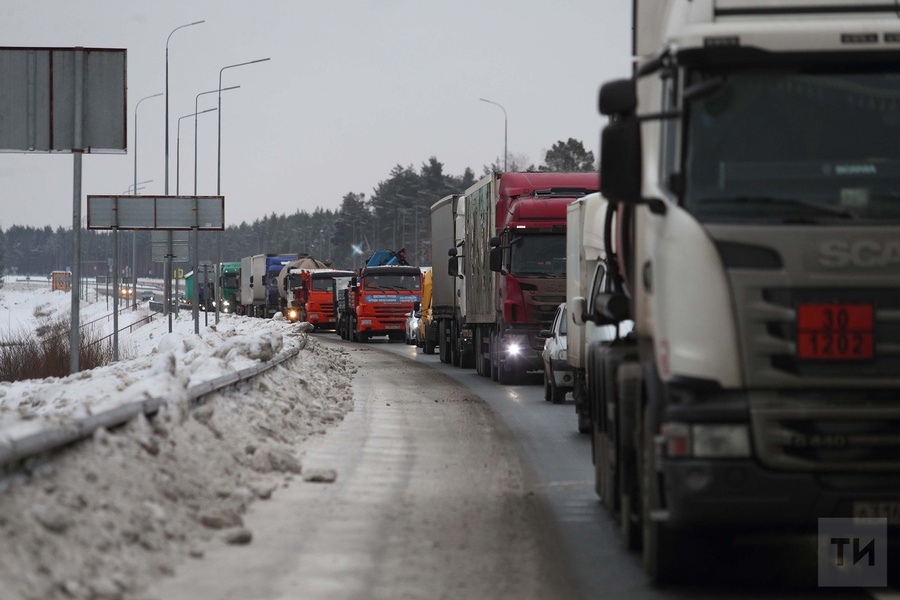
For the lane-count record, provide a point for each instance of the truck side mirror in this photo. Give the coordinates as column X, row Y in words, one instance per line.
column 495, row 242
column 620, row 164
column 578, row 309
column 416, row 306
column 453, row 266
column 496, row 259
column 251, row 281
column 618, row 97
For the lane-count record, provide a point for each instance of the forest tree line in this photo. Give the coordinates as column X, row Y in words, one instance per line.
column 396, row 214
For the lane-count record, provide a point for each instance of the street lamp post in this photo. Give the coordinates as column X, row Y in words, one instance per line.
column 195, row 295
column 219, row 174
column 134, row 233
column 168, row 263
column 196, row 109
column 178, row 147
column 505, row 153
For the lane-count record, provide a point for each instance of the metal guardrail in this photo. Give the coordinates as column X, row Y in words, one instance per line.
column 40, row 442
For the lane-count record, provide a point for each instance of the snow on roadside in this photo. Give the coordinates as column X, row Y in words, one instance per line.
column 104, row 519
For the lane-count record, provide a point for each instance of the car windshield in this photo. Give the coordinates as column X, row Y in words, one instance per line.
column 538, row 255
column 795, row 146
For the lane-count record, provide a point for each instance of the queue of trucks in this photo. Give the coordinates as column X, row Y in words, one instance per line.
column 730, row 280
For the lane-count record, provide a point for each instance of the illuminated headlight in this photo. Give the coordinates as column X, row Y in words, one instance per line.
column 292, row 314
column 365, row 322
column 562, row 355
column 513, row 349
column 706, row 440
column 226, row 303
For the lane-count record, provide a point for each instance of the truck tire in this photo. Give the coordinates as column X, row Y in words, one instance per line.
column 362, row 337
column 629, row 377
column 427, row 345
column 493, row 358
column 455, row 345
column 482, row 364
column 443, row 342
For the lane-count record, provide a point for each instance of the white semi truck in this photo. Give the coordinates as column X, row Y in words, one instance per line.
column 448, row 290
column 752, row 167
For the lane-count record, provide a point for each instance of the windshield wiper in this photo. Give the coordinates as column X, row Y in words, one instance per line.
column 773, row 201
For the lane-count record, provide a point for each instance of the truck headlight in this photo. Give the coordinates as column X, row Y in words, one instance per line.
column 513, row 348
column 365, row 322
column 314, row 316
column 706, row 440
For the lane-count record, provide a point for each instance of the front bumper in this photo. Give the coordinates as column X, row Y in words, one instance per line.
column 563, row 373
column 742, row 494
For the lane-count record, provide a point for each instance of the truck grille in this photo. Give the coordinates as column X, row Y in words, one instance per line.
column 542, row 309
column 770, row 334
column 391, row 313
column 819, row 433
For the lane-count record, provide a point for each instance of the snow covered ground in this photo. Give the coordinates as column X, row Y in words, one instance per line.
column 103, row 519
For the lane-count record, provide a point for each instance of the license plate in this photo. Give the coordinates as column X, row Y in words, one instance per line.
column 889, row 510
column 835, row 332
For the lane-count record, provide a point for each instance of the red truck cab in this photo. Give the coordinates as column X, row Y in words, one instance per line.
column 381, row 298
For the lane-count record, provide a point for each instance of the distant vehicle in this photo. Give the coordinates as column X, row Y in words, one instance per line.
column 125, row 291
column 146, row 295
column 558, row 377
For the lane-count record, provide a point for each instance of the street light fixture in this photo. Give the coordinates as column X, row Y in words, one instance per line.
column 219, row 175
column 505, row 153
column 134, row 233
column 168, row 280
column 167, row 97
column 196, row 109
column 178, row 147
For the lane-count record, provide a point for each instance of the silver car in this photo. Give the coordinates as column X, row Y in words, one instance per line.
column 558, row 376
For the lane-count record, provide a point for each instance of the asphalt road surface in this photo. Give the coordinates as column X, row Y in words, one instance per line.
column 452, row 486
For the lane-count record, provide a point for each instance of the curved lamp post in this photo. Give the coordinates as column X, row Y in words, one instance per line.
column 168, row 268
column 505, row 154
column 196, row 109
column 219, row 175
column 134, row 233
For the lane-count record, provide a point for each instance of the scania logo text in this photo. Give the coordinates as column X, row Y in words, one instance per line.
column 863, row 253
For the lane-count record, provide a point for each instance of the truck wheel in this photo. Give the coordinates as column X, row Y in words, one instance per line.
column 428, row 346
column 493, row 358
column 482, row 364
column 443, row 350
column 362, row 337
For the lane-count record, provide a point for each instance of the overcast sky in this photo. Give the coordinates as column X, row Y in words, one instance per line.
column 353, row 88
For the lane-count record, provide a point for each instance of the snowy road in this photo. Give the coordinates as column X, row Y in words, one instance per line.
column 431, row 501
column 452, row 486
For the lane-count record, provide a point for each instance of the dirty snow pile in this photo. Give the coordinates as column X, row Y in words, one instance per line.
column 104, row 518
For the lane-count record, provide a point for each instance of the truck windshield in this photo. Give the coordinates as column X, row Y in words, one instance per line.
column 538, row 255
column 229, row 280
column 391, row 281
column 795, row 147
column 322, row 284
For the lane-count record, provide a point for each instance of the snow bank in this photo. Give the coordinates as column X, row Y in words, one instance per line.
column 103, row 519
